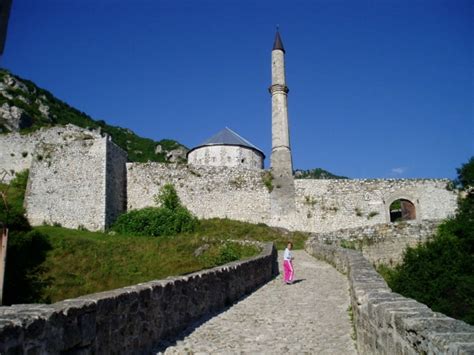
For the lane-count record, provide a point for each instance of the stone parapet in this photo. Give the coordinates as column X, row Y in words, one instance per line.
column 133, row 319
column 386, row 322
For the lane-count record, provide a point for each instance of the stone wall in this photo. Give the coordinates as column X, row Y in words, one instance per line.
column 132, row 319
column 381, row 243
column 329, row 205
column 66, row 184
column 17, row 150
column 116, row 182
column 386, row 322
column 317, row 206
column 208, row 192
column 79, row 182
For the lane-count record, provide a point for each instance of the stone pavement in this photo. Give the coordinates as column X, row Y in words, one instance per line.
column 310, row 316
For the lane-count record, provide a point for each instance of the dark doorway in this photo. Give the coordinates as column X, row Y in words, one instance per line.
column 402, row 210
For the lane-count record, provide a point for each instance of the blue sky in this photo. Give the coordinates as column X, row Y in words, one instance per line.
column 378, row 89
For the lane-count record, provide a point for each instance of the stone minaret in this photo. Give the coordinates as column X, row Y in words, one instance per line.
column 283, row 194
column 281, row 154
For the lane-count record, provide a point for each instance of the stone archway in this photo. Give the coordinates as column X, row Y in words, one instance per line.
column 402, row 210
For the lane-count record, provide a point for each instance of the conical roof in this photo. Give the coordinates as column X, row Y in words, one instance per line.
column 228, row 137
column 278, row 44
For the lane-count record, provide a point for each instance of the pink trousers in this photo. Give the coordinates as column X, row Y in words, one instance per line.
column 288, row 272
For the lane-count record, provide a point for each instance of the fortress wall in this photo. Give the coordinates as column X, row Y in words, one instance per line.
column 386, row 322
column 328, row 205
column 67, row 183
column 116, row 182
column 17, row 150
column 381, row 243
column 133, row 319
column 208, row 192
column 321, row 205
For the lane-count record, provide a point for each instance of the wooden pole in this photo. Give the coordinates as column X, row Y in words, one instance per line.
column 3, row 259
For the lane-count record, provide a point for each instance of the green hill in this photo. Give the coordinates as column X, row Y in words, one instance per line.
column 317, row 173
column 25, row 107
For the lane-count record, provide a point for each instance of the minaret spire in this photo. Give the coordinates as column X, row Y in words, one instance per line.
column 278, row 44
column 281, row 161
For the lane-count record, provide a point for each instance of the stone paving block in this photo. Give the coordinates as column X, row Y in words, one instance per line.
column 309, row 316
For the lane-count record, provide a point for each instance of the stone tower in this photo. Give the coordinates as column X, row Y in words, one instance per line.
column 283, row 195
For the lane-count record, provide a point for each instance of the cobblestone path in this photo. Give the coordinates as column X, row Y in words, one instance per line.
column 310, row 316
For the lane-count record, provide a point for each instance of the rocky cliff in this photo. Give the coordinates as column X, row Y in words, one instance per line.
column 24, row 107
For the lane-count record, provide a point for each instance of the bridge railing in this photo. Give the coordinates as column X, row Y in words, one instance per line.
column 386, row 322
column 132, row 319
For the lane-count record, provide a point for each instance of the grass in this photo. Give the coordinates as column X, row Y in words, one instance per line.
column 82, row 262
column 230, row 229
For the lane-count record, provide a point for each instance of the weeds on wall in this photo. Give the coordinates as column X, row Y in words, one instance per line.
column 238, row 182
column 350, row 244
column 372, row 214
column 350, row 312
column 267, row 179
column 310, row 200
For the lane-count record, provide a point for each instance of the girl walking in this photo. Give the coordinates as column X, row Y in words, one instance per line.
column 288, row 271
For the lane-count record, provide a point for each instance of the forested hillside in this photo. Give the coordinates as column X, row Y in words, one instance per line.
column 24, row 107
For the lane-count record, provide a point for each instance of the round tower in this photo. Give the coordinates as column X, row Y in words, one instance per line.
column 227, row 148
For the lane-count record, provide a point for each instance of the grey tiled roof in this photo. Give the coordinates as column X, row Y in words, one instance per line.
column 229, row 137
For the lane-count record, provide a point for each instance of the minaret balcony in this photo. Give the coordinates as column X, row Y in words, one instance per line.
column 275, row 88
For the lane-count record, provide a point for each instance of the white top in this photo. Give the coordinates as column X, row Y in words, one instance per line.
column 287, row 255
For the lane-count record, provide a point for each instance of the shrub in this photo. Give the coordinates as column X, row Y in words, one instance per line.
column 228, row 253
column 169, row 219
column 154, row 221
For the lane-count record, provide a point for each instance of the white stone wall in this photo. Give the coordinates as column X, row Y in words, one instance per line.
column 327, row 205
column 226, row 155
column 208, row 192
column 79, row 182
column 321, row 205
column 67, row 185
column 17, row 150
